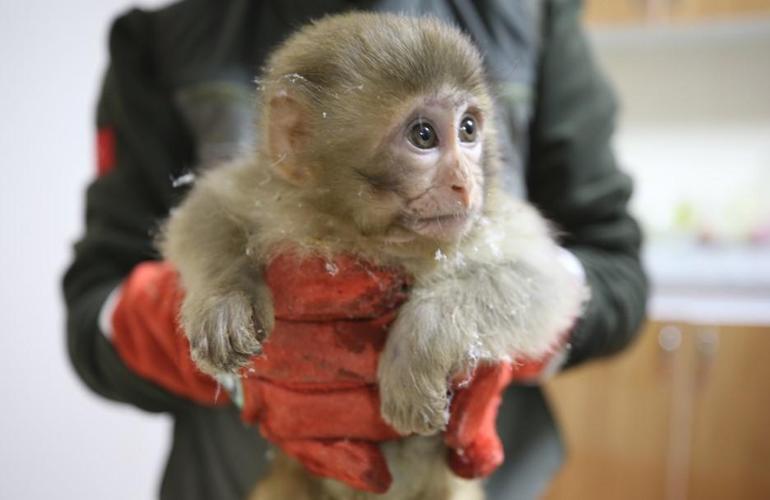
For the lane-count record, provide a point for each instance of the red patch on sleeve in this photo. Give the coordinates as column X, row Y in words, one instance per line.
column 105, row 150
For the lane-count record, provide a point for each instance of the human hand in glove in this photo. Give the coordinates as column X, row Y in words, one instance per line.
column 313, row 390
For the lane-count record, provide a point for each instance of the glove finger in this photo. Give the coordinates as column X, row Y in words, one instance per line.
column 316, row 289
column 359, row 464
column 482, row 456
column 147, row 336
column 285, row 413
column 528, row 370
column 323, row 354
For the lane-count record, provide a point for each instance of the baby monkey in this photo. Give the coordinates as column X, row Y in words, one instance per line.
column 377, row 139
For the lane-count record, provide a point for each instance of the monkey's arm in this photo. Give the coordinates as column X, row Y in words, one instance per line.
column 573, row 178
column 227, row 309
column 506, row 296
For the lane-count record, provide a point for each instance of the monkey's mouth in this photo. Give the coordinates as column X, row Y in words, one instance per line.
column 448, row 219
column 444, row 227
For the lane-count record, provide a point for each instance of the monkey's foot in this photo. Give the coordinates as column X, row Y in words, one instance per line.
column 224, row 332
column 415, row 410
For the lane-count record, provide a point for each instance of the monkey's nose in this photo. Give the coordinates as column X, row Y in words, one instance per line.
column 463, row 194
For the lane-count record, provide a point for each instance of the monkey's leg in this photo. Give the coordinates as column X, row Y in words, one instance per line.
column 420, row 472
column 444, row 485
column 414, row 367
column 287, row 480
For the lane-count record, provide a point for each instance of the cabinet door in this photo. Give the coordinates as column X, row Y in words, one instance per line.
column 715, row 9
column 618, row 11
column 640, row 11
column 731, row 420
column 684, row 413
column 615, row 417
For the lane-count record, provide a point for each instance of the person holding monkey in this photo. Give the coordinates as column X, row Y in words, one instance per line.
column 177, row 95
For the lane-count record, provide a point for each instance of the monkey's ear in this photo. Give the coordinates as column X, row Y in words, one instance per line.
column 286, row 134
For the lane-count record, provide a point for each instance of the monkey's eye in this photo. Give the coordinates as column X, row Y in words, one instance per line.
column 468, row 129
column 422, row 135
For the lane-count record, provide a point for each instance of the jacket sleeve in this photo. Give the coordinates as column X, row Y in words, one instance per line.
column 146, row 144
column 574, row 179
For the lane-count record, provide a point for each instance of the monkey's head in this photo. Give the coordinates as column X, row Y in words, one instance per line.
column 385, row 121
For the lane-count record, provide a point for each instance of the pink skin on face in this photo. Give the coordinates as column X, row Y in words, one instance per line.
column 445, row 194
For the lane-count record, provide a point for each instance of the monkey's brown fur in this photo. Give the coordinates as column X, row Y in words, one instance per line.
column 334, row 173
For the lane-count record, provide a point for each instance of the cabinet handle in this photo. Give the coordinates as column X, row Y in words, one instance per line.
column 707, row 343
column 706, row 347
column 670, row 338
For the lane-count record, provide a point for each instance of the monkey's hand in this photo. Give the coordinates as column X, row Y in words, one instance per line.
column 226, row 329
column 413, row 371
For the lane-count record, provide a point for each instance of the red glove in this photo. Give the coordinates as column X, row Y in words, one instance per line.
column 313, row 392
column 475, row 449
column 329, row 331
column 149, row 340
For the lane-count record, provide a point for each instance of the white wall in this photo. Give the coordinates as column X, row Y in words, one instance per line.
column 57, row 440
column 695, row 127
column 695, row 135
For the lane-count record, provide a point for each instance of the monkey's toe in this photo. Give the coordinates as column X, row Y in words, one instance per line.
column 417, row 417
column 215, row 363
column 222, row 334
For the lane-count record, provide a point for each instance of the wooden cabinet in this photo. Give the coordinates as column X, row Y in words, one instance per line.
column 621, row 11
column 699, row 9
column 640, row 11
column 683, row 414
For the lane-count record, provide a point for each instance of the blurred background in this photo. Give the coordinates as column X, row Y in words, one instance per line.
column 683, row 414
column 57, row 439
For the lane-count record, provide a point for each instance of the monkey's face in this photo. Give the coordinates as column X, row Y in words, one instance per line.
column 439, row 151
column 426, row 178
column 407, row 171
column 385, row 122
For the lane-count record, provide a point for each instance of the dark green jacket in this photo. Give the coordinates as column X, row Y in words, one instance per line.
column 178, row 93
